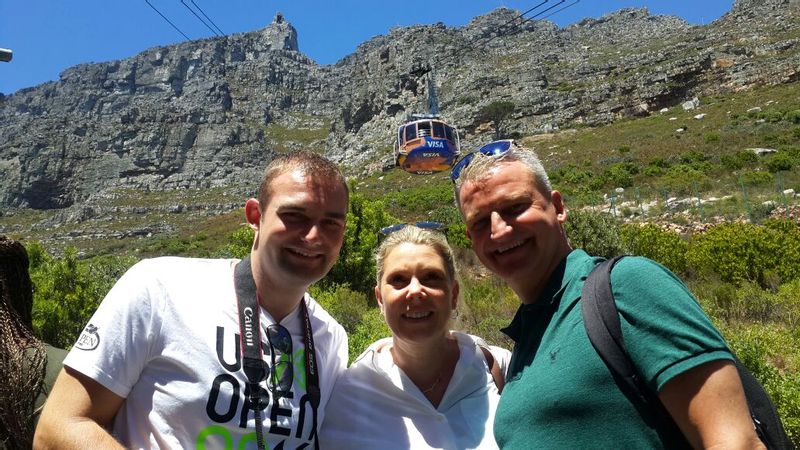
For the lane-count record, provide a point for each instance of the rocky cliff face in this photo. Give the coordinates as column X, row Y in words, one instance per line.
column 212, row 112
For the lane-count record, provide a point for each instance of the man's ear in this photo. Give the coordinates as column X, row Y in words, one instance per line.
column 558, row 203
column 252, row 213
column 379, row 299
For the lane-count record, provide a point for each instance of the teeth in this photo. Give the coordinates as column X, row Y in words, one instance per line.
column 302, row 253
column 418, row 315
column 512, row 246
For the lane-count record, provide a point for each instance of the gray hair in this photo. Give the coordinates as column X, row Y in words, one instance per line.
column 419, row 236
column 481, row 164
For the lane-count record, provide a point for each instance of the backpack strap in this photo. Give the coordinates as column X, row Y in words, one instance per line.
column 601, row 320
column 494, row 369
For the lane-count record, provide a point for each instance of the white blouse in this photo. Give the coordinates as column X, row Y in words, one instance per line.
column 375, row 405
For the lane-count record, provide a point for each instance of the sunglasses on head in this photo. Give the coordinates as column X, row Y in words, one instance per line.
column 424, row 224
column 281, row 373
column 494, row 148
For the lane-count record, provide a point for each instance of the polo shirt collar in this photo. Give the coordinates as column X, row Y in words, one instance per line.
column 550, row 296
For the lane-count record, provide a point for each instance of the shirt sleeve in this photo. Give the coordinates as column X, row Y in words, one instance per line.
column 664, row 327
column 117, row 342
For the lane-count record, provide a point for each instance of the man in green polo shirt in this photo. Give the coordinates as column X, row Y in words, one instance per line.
column 559, row 393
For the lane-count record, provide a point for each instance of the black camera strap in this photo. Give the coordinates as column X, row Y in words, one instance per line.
column 253, row 364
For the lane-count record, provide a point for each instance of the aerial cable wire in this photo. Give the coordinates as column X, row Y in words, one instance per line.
column 199, row 18
column 519, row 28
column 476, row 42
column 560, row 9
column 206, row 16
column 168, row 21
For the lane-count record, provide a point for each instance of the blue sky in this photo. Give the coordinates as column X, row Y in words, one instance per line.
column 48, row 36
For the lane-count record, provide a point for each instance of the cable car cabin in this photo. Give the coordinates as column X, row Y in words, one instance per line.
column 425, row 146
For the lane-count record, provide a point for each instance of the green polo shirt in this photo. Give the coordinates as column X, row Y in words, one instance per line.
column 560, row 394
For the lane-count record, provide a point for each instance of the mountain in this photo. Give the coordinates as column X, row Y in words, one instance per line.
column 210, row 113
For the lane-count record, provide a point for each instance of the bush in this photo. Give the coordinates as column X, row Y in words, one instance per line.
column 793, row 116
column 779, row 161
column 659, row 245
column 738, row 160
column 620, row 175
column 738, row 252
column 68, row 291
column 682, row 178
column 355, row 267
column 486, row 305
column 344, row 304
column 712, row 137
column 597, row 233
column 755, row 178
column 239, row 244
column 371, row 328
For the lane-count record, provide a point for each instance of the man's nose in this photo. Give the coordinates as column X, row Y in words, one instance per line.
column 313, row 233
column 499, row 226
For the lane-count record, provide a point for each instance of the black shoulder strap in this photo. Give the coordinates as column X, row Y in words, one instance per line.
column 601, row 320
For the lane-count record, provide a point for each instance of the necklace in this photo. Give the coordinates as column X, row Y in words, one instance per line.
column 435, row 383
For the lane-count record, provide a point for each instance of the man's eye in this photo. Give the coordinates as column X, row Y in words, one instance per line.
column 479, row 224
column 333, row 224
column 517, row 209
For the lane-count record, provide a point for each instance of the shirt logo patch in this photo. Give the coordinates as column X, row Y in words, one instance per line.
column 89, row 339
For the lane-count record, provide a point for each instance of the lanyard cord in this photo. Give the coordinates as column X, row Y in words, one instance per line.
column 253, row 364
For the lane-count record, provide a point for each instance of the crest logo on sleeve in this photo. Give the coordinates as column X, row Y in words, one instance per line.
column 89, row 339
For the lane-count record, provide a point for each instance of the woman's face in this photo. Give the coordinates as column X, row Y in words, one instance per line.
column 415, row 293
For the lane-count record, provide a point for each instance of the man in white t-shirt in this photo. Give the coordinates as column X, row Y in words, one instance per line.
column 160, row 364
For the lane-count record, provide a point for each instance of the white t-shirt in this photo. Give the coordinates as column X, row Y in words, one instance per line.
column 376, row 406
column 166, row 339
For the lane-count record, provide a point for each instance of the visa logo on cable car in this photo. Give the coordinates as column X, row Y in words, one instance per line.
column 432, row 143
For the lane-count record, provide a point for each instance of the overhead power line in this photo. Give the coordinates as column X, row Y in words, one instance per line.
column 168, row 21
column 183, row 2
column 206, row 16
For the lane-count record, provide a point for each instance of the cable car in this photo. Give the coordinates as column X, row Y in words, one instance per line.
column 426, row 145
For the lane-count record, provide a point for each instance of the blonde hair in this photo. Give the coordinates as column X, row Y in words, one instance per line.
column 419, row 236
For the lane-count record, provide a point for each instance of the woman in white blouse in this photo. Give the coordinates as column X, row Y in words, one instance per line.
column 426, row 386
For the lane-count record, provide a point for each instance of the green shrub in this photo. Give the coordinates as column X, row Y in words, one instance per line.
column 239, row 244
column 68, row 291
column 755, row 178
column 596, row 232
column 693, row 156
column 620, row 175
column 371, row 328
column 711, row 138
column 779, row 161
column 737, row 252
column 793, row 116
column 355, row 267
column 486, row 305
column 344, row 304
column 651, row 241
column 681, row 179
column 570, row 174
column 738, row 160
